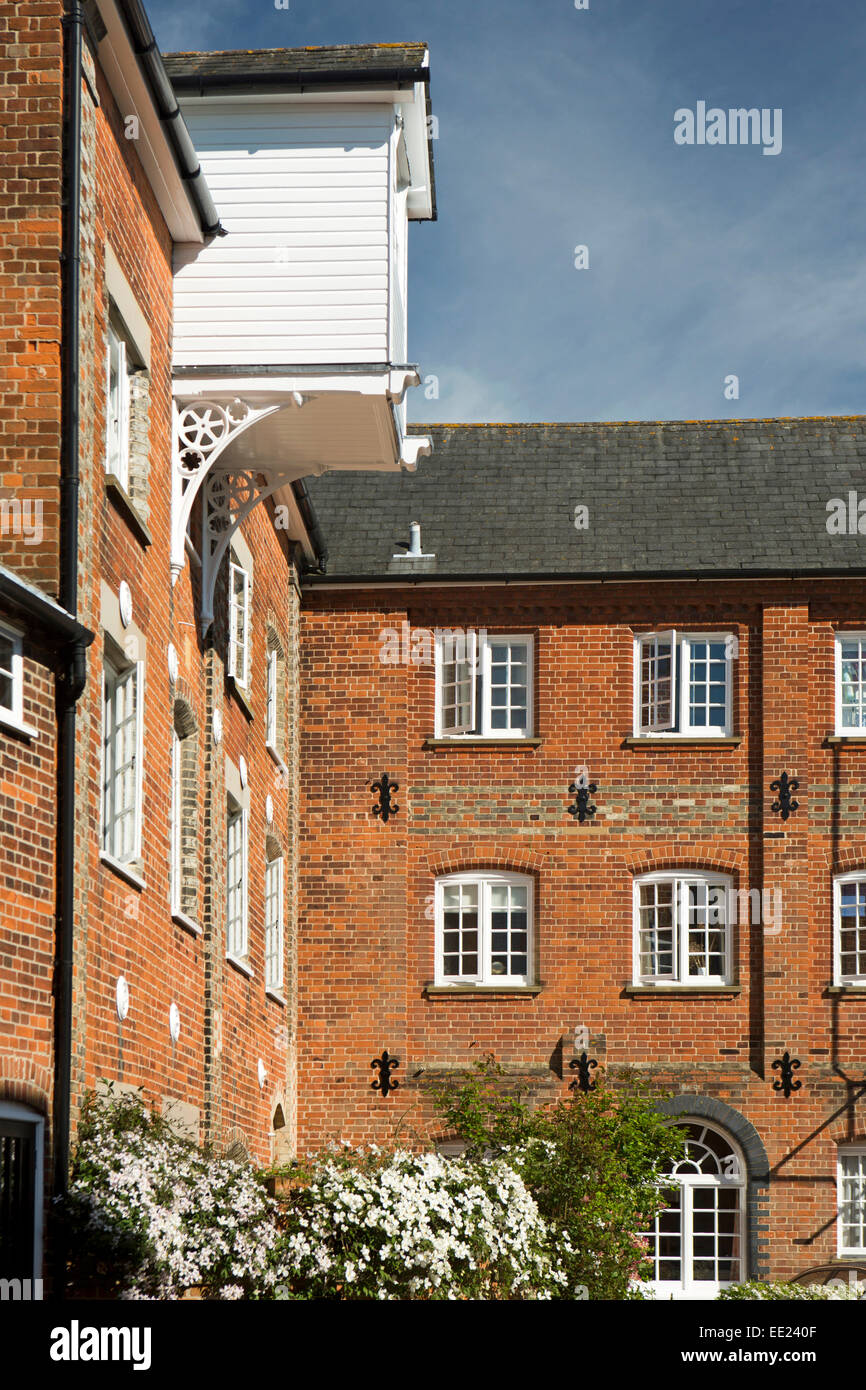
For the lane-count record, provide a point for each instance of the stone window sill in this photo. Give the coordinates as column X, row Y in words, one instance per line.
column 128, row 872
column 837, row 740
column 277, row 997
column 188, row 923
column 241, row 697
column 498, row 743
column 275, row 756
column 662, row 991
column 677, row 740
column 442, row 991
column 10, row 725
column 242, row 965
column 849, row 991
column 127, row 509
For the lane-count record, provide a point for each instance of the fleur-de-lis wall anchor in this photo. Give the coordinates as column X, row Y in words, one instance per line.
column 582, row 789
column 784, row 804
column 386, row 807
column 385, row 1065
column 583, row 1065
column 786, row 1065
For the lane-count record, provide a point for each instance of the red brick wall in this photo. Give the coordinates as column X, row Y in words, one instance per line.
column 366, row 930
column 30, row 290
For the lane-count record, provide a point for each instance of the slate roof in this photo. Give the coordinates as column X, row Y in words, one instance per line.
column 723, row 497
column 341, row 60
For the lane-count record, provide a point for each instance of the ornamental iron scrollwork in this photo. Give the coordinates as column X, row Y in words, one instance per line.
column 386, row 807
column 584, row 1066
column 385, row 1065
column 784, row 803
column 786, row 1065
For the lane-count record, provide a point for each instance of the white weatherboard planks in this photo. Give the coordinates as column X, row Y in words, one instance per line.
column 305, row 272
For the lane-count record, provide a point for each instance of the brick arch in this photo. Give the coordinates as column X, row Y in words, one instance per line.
column 22, row 1080
column 849, row 859
column 699, row 856
column 184, row 694
column 686, row 1107
column 460, row 861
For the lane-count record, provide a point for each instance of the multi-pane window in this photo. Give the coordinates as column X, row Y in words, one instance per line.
column 275, row 692
column 851, row 1187
column 274, row 923
column 184, row 821
column 236, row 881
column 683, row 683
column 682, row 929
column 696, row 1243
column 850, row 929
column 271, row 690
column 484, row 929
column 11, row 675
column 483, row 685
column 121, row 760
column 118, row 395
column 851, row 683
column 239, row 624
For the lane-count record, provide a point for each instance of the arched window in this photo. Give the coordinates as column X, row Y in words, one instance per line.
column 697, row 1243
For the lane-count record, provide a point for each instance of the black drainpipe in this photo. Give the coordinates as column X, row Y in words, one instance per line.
column 73, row 673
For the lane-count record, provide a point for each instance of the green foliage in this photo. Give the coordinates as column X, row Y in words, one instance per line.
column 594, row 1164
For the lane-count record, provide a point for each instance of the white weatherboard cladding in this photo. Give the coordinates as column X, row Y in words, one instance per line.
column 307, row 196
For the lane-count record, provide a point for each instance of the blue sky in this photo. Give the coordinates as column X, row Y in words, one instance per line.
column 556, row 129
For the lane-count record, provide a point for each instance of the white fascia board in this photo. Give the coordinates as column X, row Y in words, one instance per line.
column 130, row 91
column 342, row 383
column 415, row 112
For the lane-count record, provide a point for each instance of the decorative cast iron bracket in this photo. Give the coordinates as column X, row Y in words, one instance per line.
column 581, row 807
column 385, row 1065
column 385, row 787
column 583, row 1065
column 786, row 1065
column 784, row 803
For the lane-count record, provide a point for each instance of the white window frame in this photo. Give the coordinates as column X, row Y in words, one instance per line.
column 478, row 657
column 117, row 412
column 271, row 691
column 22, row 1114
column 678, row 726
column 237, row 930
column 680, row 978
column 274, row 925
column 14, row 714
column 484, row 881
column 849, row 731
column 121, row 670
column 176, row 804
column 844, row 1151
column 687, row 1288
column 239, row 644
column 850, row 981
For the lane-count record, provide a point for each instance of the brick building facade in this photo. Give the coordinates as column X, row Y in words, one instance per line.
column 589, row 672
column 507, row 562
column 155, row 524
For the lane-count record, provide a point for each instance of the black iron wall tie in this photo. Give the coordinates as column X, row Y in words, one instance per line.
column 386, row 807
column 784, row 804
column 580, row 807
column 584, row 1066
column 385, row 1065
column 786, row 1065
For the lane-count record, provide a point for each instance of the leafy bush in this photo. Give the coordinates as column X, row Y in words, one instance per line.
column 799, row 1292
column 396, row 1225
column 594, row 1164
column 151, row 1215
